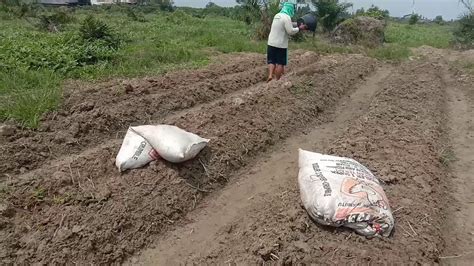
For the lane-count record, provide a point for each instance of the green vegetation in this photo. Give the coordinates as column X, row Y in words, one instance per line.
column 373, row 12
column 393, row 52
column 104, row 42
column 40, row 47
column 439, row 36
column 447, row 156
column 331, row 12
column 464, row 33
column 414, row 19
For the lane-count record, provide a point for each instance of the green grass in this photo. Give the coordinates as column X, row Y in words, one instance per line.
column 392, row 52
column 25, row 95
column 33, row 62
column 438, row 36
column 399, row 39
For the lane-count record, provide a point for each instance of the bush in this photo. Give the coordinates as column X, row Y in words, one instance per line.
column 439, row 20
column 374, row 12
column 19, row 9
column 464, row 33
column 366, row 31
column 135, row 16
column 93, row 30
column 53, row 22
column 163, row 5
column 414, row 19
column 331, row 13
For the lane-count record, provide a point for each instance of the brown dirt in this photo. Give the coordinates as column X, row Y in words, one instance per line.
column 62, row 201
column 397, row 138
column 460, row 155
column 79, row 209
column 93, row 113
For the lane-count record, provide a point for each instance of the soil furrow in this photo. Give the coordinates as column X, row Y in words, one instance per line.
column 83, row 123
column 400, row 140
column 270, row 175
column 459, row 231
column 83, row 211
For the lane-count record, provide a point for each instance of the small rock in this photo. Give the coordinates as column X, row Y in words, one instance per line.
column 63, row 234
column 76, row 229
column 3, row 207
column 7, row 130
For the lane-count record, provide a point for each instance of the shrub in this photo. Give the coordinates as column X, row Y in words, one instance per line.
column 53, row 22
column 438, row 20
column 414, row 19
column 93, row 29
column 331, row 13
column 374, row 12
column 135, row 16
column 464, row 33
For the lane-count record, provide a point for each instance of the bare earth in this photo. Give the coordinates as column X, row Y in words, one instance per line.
column 63, row 201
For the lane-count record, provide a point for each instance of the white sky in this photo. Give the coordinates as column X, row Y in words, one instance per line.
column 449, row 9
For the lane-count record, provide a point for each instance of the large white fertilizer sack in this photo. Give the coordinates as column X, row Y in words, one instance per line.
column 143, row 144
column 339, row 191
column 172, row 143
column 135, row 152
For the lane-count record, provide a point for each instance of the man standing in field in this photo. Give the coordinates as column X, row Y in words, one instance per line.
column 277, row 50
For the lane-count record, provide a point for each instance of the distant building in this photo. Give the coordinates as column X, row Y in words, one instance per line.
column 59, row 2
column 110, row 2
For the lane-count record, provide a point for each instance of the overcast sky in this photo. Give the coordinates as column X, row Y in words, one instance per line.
column 449, row 9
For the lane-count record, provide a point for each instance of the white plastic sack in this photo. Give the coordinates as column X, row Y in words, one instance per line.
column 340, row 191
column 135, row 152
column 144, row 144
column 172, row 143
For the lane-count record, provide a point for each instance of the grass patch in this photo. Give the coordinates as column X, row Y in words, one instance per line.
column 447, row 156
column 438, row 36
column 392, row 52
column 302, row 89
column 468, row 65
column 33, row 62
column 25, row 95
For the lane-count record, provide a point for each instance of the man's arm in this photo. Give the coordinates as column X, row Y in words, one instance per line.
column 289, row 27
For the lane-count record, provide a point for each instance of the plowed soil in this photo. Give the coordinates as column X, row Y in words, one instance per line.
column 62, row 201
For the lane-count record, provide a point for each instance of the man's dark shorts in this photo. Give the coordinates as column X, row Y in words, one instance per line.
column 277, row 56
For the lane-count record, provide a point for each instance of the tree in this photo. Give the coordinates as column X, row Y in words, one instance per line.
column 331, row 12
column 373, row 12
column 376, row 12
column 468, row 4
column 414, row 19
column 211, row 5
column 438, row 20
column 165, row 5
column 464, row 33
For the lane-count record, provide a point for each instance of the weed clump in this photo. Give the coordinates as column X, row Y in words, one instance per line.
column 464, row 34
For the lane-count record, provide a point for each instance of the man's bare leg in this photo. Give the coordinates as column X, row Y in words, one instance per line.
column 279, row 70
column 271, row 70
